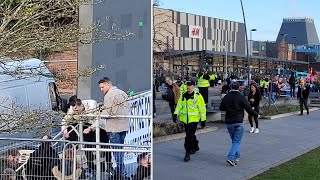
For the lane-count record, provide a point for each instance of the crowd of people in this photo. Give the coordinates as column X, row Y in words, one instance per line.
column 189, row 106
column 44, row 163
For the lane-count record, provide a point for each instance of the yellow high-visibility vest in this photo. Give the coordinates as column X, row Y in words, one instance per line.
column 193, row 110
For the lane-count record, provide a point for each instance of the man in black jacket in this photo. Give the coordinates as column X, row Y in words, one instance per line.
column 234, row 103
column 292, row 82
column 303, row 95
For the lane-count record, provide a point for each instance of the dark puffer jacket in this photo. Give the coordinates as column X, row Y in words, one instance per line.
column 234, row 104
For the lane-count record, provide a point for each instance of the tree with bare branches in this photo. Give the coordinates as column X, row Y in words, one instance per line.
column 163, row 28
column 34, row 27
column 30, row 26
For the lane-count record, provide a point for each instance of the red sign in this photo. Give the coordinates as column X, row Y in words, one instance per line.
column 195, row 32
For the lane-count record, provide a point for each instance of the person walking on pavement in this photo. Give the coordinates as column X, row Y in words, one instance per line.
column 191, row 110
column 265, row 87
column 261, row 84
column 234, row 104
column 254, row 98
column 303, row 96
column 272, row 91
column 203, row 83
column 172, row 95
column 292, row 81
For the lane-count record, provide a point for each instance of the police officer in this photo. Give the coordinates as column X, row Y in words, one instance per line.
column 212, row 79
column 183, row 87
column 203, row 83
column 191, row 110
column 261, row 84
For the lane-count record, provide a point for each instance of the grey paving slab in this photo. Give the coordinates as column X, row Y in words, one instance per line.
column 278, row 140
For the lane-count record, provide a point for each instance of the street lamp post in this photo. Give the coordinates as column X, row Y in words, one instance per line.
column 246, row 37
column 251, row 51
column 251, row 48
column 226, row 58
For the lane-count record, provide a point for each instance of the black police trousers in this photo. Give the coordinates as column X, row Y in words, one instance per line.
column 191, row 143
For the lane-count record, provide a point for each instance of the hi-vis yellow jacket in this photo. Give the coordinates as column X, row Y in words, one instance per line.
column 213, row 76
column 262, row 83
column 193, row 110
column 183, row 88
column 203, row 82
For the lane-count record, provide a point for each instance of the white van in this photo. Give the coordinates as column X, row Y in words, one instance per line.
column 27, row 86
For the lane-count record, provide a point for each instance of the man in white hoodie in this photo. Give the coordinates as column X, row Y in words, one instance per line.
column 115, row 103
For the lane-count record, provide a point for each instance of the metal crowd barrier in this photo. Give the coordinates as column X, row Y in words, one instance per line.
column 59, row 154
column 41, row 160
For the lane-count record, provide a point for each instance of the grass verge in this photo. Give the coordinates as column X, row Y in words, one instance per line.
column 303, row 167
column 275, row 110
column 163, row 129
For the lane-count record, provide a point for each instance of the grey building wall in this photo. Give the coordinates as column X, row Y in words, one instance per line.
column 128, row 62
column 272, row 49
column 215, row 33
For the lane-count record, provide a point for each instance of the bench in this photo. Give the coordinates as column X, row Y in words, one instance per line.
column 314, row 97
column 214, row 105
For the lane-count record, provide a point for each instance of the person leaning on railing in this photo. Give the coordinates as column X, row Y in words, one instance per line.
column 75, row 115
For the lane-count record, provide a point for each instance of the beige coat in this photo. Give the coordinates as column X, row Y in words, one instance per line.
column 115, row 103
column 176, row 91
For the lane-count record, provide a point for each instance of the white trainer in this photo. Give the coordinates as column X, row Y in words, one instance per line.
column 252, row 130
column 256, row 131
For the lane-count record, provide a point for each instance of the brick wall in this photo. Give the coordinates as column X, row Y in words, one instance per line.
column 65, row 66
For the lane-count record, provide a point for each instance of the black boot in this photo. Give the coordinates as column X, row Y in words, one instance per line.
column 196, row 146
column 187, row 157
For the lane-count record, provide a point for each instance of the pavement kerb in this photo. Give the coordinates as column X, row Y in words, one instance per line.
column 286, row 114
column 256, row 173
column 172, row 137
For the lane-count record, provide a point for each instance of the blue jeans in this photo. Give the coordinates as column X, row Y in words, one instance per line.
column 273, row 97
column 235, row 132
column 118, row 138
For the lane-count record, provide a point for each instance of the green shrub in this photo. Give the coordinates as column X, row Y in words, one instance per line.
column 274, row 110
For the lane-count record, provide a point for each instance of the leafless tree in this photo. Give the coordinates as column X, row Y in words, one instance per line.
column 31, row 26
column 163, row 34
column 34, row 27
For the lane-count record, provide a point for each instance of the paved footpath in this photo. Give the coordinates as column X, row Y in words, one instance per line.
column 278, row 141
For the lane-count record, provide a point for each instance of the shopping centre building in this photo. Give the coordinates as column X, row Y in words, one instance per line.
column 176, row 31
column 184, row 42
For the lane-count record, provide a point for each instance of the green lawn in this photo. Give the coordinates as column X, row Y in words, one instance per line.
column 304, row 167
